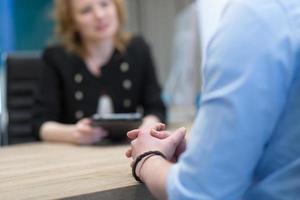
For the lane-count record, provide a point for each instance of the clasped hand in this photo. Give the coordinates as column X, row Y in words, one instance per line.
column 171, row 144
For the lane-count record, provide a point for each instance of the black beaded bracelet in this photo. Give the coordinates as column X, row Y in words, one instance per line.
column 139, row 158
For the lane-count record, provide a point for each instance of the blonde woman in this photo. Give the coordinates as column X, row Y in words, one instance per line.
column 94, row 57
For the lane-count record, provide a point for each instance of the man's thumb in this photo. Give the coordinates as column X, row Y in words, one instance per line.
column 177, row 136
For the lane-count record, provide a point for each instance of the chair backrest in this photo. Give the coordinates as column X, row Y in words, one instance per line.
column 1, row 102
column 23, row 71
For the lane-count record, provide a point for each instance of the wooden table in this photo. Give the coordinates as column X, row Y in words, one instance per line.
column 55, row 171
column 52, row 171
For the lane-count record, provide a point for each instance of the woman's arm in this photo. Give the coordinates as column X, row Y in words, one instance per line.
column 80, row 133
column 149, row 121
column 151, row 97
column 57, row 132
column 50, row 109
column 48, row 99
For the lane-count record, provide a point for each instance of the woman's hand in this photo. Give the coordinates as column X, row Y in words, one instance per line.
column 149, row 122
column 85, row 134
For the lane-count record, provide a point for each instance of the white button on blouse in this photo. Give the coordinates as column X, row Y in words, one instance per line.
column 127, row 103
column 127, row 84
column 79, row 114
column 78, row 95
column 78, row 78
column 124, row 67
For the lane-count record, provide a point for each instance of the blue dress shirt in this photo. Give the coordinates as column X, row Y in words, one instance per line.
column 245, row 143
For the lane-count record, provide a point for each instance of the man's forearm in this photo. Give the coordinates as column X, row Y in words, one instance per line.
column 154, row 173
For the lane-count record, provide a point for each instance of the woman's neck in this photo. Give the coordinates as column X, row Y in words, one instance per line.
column 101, row 49
column 98, row 53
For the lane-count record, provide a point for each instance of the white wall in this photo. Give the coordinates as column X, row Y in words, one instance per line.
column 154, row 19
column 133, row 18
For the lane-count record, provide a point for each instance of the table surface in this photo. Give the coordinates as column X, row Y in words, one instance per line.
column 52, row 170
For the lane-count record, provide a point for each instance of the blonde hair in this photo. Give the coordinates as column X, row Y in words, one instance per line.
column 68, row 36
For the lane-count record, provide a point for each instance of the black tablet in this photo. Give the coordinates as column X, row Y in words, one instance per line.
column 117, row 124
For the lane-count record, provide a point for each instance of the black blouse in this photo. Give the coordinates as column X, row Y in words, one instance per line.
column 69, row 92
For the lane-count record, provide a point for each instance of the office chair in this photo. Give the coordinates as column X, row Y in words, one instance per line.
column 22, row 73
column 2, row 89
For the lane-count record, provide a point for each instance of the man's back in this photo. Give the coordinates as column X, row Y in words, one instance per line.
column 279, row 167
column 246, row 137
column 278, row 171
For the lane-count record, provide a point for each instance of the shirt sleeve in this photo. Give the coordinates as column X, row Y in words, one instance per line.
column 247, row 74
column 48, row 98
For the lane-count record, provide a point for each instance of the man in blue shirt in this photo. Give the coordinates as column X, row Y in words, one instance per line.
column 245, row 143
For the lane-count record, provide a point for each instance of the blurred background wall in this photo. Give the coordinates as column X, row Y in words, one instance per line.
column 26, row 25
column 31, row 25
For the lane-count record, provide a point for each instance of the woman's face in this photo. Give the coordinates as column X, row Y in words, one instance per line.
column 95, row 20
